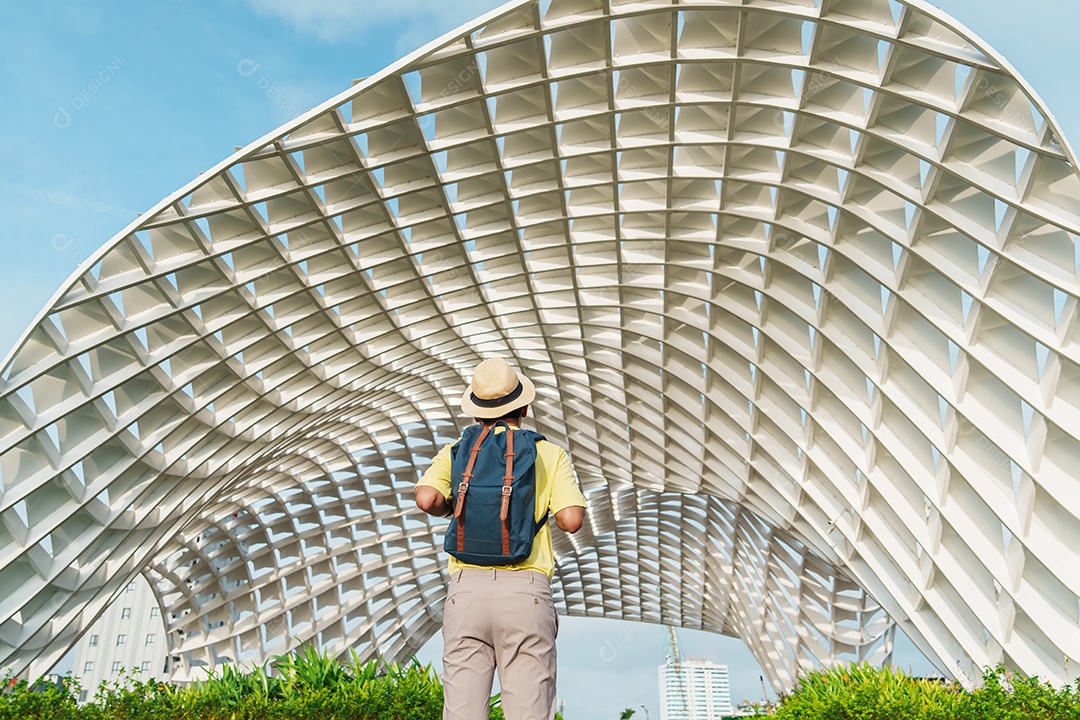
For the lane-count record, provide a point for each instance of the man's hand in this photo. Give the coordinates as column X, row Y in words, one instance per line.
column 570, row 518
column 431, row 501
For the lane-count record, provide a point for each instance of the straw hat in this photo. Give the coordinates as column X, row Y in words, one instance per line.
column 496, row 389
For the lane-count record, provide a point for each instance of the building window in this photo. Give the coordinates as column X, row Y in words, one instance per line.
column 150, row 639
column 121, row 640
column 131, row 587
column 155, row 612
column 88, row 667
column 146, row 666
column 83, row 694
column 125, row 613
column 93, row 641
column 116, row 666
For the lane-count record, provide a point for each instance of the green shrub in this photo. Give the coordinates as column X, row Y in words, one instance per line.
column 42, row 701
column 1005, row 696
column 309, row 685
column 860, row 692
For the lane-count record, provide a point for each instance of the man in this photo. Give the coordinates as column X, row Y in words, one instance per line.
column 501, row 616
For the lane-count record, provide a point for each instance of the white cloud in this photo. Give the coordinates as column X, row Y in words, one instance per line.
column 337, row 20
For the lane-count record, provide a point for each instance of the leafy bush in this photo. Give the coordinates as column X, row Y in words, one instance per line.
column 1005, row 696
column 868, row 693
column 860, row 692
column 42, row 701
column 309, row 685
column 312, row 686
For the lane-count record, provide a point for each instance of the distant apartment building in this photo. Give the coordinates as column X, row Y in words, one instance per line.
column 129, row 635
column 694, row 690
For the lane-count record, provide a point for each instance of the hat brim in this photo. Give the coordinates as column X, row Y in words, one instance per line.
column 528, row 394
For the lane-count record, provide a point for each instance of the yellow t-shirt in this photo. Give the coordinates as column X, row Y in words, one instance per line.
column 556, row 489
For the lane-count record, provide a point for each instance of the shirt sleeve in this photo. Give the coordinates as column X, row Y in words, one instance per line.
column 438, row 474
column 564, row 488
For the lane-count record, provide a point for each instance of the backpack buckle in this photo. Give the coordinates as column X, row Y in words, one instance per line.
column 463, row 487
column 506, row 490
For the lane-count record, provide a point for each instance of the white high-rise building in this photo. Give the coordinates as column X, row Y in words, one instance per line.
column 129, row 635
column 705, row 693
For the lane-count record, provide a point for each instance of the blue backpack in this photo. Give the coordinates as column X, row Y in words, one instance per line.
column 493, row 494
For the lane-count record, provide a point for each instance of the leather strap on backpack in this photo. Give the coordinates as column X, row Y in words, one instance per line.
column 463, row 488
column 508, row 479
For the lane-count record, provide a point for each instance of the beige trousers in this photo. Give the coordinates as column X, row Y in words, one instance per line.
column 501, row 619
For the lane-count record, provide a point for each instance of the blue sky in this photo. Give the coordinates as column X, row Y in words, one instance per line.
column 107, row 107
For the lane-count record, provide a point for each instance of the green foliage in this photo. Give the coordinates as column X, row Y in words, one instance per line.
column 42, row 701
column 312, row 686
column 860, row 692
column 309, row 671
column 308, row 685
column 1005, row 696
column 627, row 714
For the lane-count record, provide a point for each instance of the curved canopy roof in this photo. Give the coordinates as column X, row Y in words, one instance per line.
column 796, row 281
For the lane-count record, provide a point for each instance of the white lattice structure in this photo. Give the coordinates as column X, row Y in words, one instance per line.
column 796, row 281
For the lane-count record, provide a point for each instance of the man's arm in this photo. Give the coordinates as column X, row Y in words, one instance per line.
column 433, row 491
column 570, row 518
column 432, row 501
column 567, row 502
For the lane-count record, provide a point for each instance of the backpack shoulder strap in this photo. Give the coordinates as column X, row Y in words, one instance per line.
column 541, row 522
column 508, row 480
column 463, row 488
